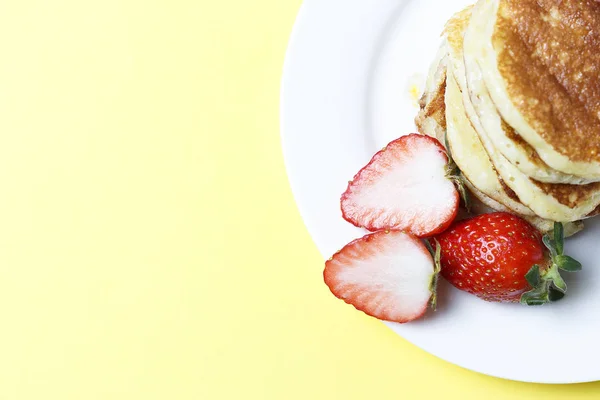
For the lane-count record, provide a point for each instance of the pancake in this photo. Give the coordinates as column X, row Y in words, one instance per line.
column 539, row 60
column 432, row 115
column 470, row 155
column 433, row 123
column 467, row 150
column 556, row 202
column 504, row 138
column 481, row 203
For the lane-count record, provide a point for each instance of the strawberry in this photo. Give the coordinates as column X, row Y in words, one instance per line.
column 389, row 275
column 500, row 257
column 405, row 186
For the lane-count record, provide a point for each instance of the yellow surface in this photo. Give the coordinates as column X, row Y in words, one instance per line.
column 149, row 245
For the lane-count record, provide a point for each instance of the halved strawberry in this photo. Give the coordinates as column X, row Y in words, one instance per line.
column 405, row 186
column 389, row 275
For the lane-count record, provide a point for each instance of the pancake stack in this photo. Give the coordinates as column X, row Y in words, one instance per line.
column 514, row 92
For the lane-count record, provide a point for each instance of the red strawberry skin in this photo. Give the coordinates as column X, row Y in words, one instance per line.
column 489, row 255
column 404, row 187
column 386, row 275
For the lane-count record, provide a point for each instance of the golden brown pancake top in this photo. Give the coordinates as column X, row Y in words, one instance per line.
column 568, row 195
column 455, row 28
column 549, row 57
column 518, row 141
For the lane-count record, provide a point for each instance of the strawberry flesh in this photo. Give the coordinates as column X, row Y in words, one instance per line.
column 404, row 187
column 387, row 275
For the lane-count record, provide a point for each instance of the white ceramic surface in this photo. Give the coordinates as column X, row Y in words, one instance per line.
column 346, row 93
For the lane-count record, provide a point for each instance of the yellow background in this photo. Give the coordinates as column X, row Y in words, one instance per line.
column 150, row 247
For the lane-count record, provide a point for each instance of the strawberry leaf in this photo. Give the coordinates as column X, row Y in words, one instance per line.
column 535, row 301
column 554, row 294
column 550, row 245
column 427, row 244
column 464, row 194
column 533, row 276
column 557, row 280
column 547, row 284
column 535, row 297
column 436, row 254
column 447, row 146
column 567, row 263
column 456, row 176
column 559, row 237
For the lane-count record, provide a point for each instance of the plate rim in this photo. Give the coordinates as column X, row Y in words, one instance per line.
column 299, row 25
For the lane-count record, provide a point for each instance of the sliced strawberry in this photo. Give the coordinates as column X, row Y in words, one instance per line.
column 405, row 186
column 389, row 275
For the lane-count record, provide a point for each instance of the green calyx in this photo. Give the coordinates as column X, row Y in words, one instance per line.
column 436, row 254
column 548, row 285
column 455, row 175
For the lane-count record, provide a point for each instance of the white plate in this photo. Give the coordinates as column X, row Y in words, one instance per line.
column 345, row 94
